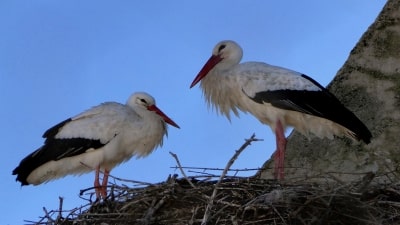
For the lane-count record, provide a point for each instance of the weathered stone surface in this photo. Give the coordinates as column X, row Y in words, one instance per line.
column 369, row 85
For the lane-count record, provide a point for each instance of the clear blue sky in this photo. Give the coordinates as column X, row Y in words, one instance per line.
column 58, row 58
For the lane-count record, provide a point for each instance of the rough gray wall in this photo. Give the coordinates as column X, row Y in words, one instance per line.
column 369, row 85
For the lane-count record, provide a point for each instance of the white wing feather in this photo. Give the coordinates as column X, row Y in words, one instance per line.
column 102, row 122
column 264, row 77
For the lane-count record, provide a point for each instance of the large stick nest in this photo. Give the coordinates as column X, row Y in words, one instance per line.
column 240, row 201
column 236, row 200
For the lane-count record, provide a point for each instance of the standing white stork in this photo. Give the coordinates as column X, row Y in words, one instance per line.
column 97, row 139
column 276, row 96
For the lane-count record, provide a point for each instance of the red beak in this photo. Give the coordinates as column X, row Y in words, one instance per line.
column 212, row 61
column 160, row 113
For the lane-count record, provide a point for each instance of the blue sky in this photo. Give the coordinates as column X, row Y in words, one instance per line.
column 58, row 58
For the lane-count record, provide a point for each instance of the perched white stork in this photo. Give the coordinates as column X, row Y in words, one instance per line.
column 97, row 139
column 276, row 96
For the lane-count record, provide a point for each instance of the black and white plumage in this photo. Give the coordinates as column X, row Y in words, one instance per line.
column 97, row 139
column 276, row 96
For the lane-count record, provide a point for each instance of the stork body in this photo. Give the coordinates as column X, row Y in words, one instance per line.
column 98, row 139
column 277, row 97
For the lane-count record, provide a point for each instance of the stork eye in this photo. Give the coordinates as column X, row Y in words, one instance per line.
column 144, row 101
column 221, row 47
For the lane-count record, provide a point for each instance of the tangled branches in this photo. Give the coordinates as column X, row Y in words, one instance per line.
column 237, row 200
column 241, row 201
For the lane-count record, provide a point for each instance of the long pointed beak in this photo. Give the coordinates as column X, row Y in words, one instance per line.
column 155, row 109
column 212, row 61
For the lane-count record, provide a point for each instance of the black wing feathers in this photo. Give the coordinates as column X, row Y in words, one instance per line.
column 314, row 82
column 317, row 103
column 53, row 149
column 54, row 130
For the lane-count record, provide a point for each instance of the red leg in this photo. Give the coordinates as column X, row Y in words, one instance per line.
column 279, row 157
column 103, row 192
column 97, row 186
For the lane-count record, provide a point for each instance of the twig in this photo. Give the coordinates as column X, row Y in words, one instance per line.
column 60, row 208
column 204, row 174
column 150, row 212
column 192, row 219
column 277, row 213
column 72, row 211
column 180, row 168
column 47, row 215
column 119, row 179
column 130, row 181
column 205, row 169
column 228, row 165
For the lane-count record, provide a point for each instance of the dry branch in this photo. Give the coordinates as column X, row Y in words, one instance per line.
column 180, row 168
column 224, row 172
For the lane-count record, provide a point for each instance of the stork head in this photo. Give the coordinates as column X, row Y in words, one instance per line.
column 147, row 102
column 224, row 55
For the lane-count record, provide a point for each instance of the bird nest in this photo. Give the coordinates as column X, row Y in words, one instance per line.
column 238, row 201
column 222, row 199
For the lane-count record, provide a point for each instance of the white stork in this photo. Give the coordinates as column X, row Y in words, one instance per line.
column 97, row 139
column 276, row 96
